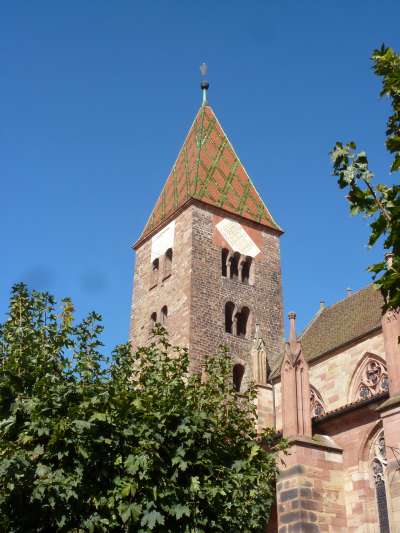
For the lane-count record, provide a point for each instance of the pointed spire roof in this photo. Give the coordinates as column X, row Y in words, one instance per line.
column 208, row 169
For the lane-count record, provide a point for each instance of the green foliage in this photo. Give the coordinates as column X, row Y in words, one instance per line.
column 137, row 445
column 379, row 202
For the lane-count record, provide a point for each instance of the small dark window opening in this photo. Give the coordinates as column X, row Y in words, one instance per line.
column 168, row 263
column 242, row 321
column 224, row 259
column 246, row 269
column 154, row 274
column 238, row 372
column 229, row 308
column 153, row 321
column 234, row 270
column 164, row 315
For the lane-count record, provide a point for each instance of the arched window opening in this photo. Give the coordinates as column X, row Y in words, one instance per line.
column 224, row 261
column 153, row 321
column 378, row 466
column 370, row 379
column 164, row 315
column 246, row 270
column 238, row 372
column 168, row 263
column 317, row 405
column 234, row 265
column 242, row 322
column 154, row 273
column 229, row 309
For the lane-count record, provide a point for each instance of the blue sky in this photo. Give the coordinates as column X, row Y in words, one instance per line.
column 96, row 99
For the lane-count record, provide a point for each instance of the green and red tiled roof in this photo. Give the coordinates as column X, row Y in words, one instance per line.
column 208, row 169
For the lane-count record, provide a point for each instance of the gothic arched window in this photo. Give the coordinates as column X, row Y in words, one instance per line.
column 378, row 466
column 370, row 378
column 316, row 403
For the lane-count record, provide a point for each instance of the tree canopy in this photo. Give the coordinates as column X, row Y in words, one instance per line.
column 136, row 443
column 379, row 202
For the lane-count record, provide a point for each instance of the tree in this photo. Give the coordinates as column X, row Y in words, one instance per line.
column 134, row 444
column 380, row 203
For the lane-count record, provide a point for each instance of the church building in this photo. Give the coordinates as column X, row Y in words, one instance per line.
column 208, row 268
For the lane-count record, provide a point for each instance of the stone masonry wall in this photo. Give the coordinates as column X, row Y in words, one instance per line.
column 310, row 491
column 210, row 292
column 353, row 432
column 174, row 291
column 332, row 376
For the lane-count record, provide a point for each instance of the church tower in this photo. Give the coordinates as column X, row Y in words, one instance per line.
column 208, row 260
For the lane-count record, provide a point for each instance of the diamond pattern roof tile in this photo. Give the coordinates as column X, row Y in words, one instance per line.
column 208, row 169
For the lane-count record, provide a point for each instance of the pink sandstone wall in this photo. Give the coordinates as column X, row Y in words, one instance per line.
column 332, row 376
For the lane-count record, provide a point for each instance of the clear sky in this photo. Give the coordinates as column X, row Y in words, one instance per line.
column 96, row 99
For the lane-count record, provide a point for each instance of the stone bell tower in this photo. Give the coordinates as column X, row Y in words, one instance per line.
column 208, row 260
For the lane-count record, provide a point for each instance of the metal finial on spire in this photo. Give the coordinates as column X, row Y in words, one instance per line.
column 204, row 83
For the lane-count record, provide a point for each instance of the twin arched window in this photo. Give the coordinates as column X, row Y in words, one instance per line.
column 163, row 318
column 236, row 266
column 167, row 268
column 237, row 320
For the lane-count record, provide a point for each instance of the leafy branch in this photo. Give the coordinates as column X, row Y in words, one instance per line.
column 378, row 202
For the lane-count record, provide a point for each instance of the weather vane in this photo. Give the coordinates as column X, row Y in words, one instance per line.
column 204, row 83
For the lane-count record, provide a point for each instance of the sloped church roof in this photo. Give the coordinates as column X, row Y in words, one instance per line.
column 343, row 322
column 208, row 169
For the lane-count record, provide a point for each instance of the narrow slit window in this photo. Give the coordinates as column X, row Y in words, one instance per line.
column 224, row 262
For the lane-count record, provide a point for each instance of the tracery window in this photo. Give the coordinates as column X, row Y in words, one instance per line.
column 378, row 466
column 373, row 379
column 316, row 402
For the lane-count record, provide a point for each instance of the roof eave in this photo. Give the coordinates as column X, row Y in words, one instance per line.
column 190, row 201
